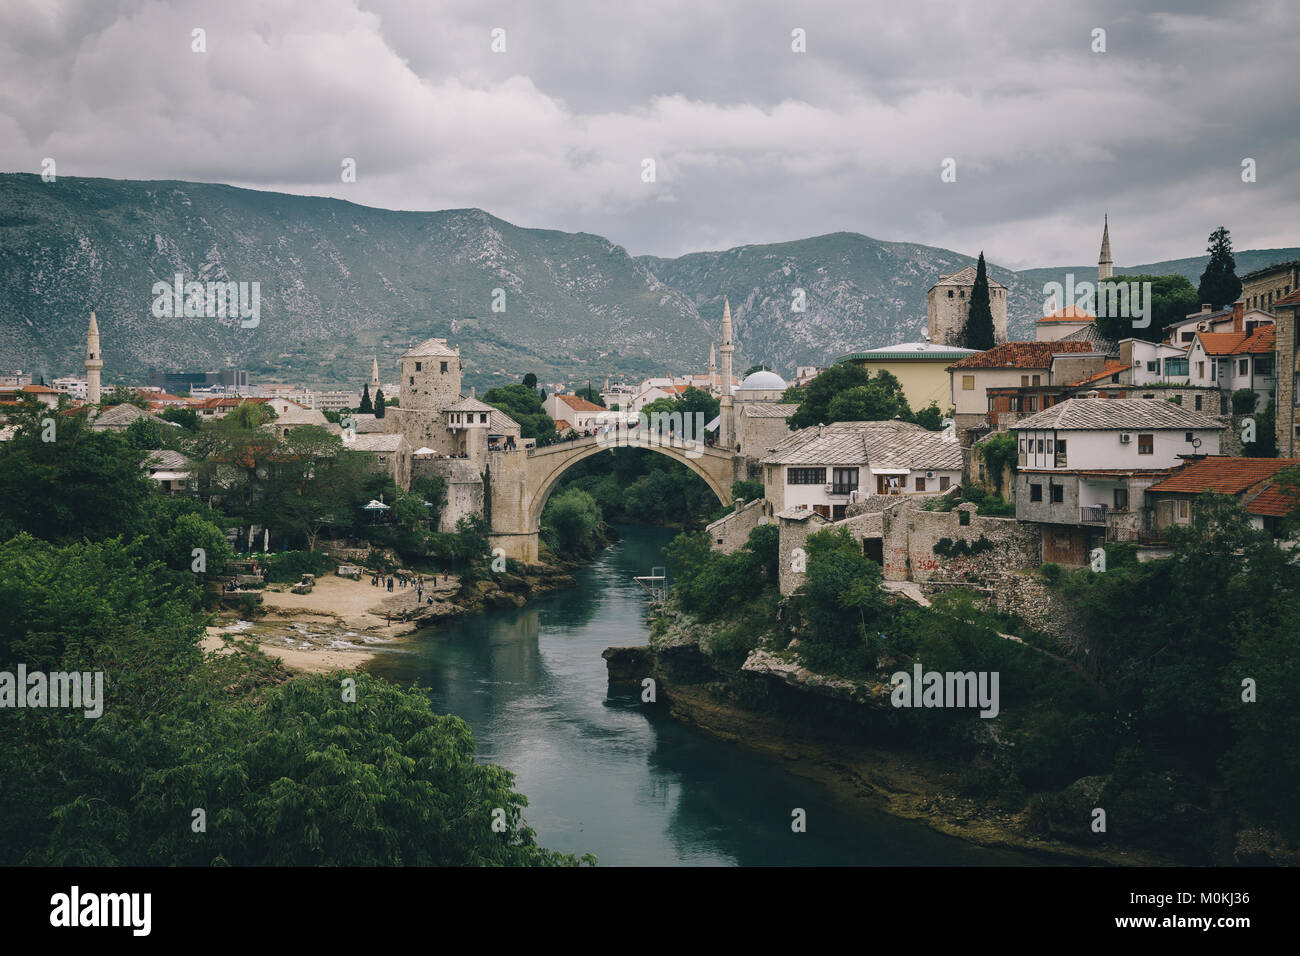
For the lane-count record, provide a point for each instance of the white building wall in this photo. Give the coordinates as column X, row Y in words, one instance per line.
column 1103, row 450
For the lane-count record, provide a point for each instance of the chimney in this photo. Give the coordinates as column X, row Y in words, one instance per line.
column 1238, row 310
column 1205, row 307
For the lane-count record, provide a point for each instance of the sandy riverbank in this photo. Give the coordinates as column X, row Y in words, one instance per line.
column 338, row 625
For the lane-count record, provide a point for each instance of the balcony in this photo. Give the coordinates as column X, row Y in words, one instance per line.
column 1095, row 515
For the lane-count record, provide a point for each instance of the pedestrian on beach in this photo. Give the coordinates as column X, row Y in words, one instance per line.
column 390, row 619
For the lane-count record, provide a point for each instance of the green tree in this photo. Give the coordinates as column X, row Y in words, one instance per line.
column 1220, row 286
column 524, row 405
column 747, row 490
column 814, row 407
column 978, row 332
column 530, row 381
column 1172, row 299
column 367, row 406
column 145, row 433
column 187, row 418
column 121, row 395
column 573, row 514
column 591, row 394
column 754, row 368
column 380, row 404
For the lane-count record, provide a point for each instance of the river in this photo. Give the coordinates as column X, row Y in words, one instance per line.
column 608, row 775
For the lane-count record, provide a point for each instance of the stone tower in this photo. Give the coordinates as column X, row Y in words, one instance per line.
column 1105, row 267
column 374, row 376
column 94, row 362
column 713, row 368
column 430, row 384
column 948, row 305
column 726, row 423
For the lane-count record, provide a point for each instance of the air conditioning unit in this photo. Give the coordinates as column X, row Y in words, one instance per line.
column 1125, row 438
column 829, row 488
column 929, row 475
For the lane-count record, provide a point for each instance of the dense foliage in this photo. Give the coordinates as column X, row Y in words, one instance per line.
column 96, row 576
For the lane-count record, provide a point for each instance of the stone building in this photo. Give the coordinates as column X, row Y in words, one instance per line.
column 948, row 305
column 1263, row 288
column 1288, row 372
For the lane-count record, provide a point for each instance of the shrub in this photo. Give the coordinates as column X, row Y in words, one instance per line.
column 1051, row 573
column 1244, row 401
column 287, row 567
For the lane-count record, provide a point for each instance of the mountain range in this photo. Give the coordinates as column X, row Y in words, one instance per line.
column 340, row 283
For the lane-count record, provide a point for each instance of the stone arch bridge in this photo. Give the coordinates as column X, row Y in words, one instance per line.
column 520, row 482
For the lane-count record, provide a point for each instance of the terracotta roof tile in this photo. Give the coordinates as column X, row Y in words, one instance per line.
column 1221, row 474
column 1111, row 368
column 1021, row 355
column 1274, row 501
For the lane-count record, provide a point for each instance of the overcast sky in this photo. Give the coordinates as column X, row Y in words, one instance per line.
column 752, row 141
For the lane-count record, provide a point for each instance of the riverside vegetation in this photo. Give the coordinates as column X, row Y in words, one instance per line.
column 1143, row 716
column 96, row 575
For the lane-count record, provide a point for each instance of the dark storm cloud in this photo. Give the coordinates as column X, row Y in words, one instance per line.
column 752, row 142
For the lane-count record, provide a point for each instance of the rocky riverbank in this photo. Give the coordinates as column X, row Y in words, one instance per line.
column 818, row 725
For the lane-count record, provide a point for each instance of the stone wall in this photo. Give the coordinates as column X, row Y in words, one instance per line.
column 464, row 486
column 1010, row 545
column 793, row 560
column 1027, row 595
column 731, row 531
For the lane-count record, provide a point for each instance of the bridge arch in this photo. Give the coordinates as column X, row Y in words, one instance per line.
column 547, row 465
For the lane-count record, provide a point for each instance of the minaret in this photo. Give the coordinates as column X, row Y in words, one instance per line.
column 374, row 376
column 94, row 362
column 726, row 425
column 713, row 368
column 1105, row 267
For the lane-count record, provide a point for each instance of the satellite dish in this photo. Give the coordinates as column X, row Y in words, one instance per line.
column 1196, row 443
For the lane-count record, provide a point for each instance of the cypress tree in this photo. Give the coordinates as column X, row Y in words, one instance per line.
column 379, row 403
column 1220, row 286
column 366, row 408
column 978, row 331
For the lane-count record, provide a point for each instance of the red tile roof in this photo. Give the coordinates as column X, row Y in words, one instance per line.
column 1274, row 501
column 579, row 404
column 1021, row 355
column 1071, row 313
column 1221, row 474
column 1259, row 342
column 1111, row 368
column 1292, row 299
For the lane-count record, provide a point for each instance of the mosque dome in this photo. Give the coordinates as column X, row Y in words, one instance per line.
column 763, row 380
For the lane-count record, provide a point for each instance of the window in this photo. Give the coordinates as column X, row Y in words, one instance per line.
column 1060, row 446
column 1040, row 446
column 1175, row 366
column 950, row 293
column 823, row 510
column 1035, row 492
column 1187, row 336
column 1031, row 404
column 1146, row 444
column 1121, row 499
column 1184, row 509
column 1038, row 380
column 1151, row 365
column 1243, row 366
column 920, row 483
column 444, row 368
column 418, row 366
column 1199, row 401
column 482, row 417
column 1058, row 494
column 963, row 518
column 837, row 512
column 844, row 480
column 412, row 379
column 805, row 476
column 1264, row 365
column 1200, row 370
column 1149, row 395
column 944, row 480
column 1024, row 381
column 968, row 383
column 1188, row 436
column 993, row 405
column 1049, row 446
